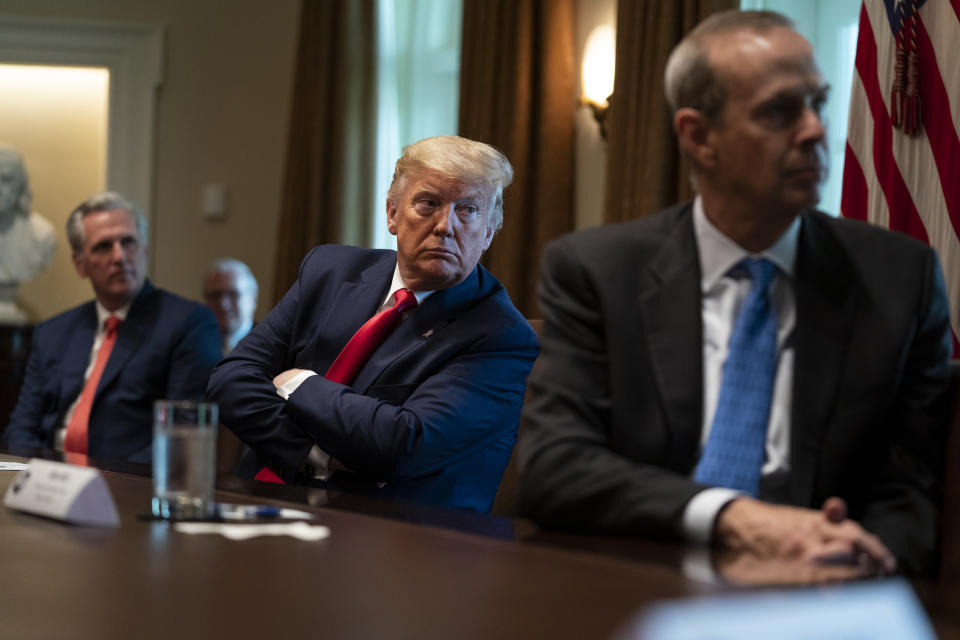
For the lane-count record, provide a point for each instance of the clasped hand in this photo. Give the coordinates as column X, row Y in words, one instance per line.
column 823, row 545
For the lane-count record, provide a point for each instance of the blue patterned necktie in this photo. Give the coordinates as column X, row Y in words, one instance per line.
column 735, row 449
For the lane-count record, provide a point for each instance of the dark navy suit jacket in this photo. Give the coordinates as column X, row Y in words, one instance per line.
column 165, row 348
column 431, row 417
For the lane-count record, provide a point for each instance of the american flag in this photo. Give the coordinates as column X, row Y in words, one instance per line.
column 902, row 160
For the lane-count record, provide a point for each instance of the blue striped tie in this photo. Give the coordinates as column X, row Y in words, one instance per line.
column 735, row 449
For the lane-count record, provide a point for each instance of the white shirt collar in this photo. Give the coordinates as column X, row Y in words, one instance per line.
column 398, row 283
column 103, row 314
column 718, row 253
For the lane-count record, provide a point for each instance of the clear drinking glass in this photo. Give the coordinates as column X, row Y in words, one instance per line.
column 184, row 459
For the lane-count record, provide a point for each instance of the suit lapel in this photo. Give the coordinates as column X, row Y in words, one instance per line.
column 420, row 325
column 826, row 303
column 356, row 302
column 670, row 309
column 77, row 356
column 131, row 333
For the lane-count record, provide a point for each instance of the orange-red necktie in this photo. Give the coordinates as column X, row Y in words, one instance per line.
column 76, row 440
column 358, row 350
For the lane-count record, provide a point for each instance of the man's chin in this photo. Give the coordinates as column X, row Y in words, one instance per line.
column 120, row 294
column 802, row 200
column 434, row 279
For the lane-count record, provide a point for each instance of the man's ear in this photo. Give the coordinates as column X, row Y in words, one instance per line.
column 488, row 238
column 693, row 131
column 79, row 264
column 391, row 217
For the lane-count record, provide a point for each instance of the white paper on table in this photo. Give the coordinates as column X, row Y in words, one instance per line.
column 12, row 466
column 300, row 530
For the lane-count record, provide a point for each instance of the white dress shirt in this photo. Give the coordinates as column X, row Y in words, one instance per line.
column 318, row 458
column 98, row 336
column 722, row 294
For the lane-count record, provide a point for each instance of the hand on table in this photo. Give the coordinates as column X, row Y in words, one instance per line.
column 802, row 536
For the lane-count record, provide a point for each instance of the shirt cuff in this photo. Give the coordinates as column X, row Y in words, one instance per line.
column 702, row 510
column 293, row 383
column 319, row 461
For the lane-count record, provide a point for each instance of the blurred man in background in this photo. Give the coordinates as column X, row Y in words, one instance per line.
column 230, row 289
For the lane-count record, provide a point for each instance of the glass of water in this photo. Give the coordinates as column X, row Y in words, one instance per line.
column 184, row 459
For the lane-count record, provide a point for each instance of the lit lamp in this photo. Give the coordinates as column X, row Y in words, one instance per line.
column 596, row 73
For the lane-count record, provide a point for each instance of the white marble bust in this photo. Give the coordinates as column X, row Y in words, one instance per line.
column 26, row 237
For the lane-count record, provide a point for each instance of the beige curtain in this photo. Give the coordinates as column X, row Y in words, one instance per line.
column 645, row 171
column 517, row 93
column 330, row 155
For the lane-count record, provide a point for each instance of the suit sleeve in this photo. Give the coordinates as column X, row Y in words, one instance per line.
column 25, row 430
column 903, row 506
column 242, row 384
column 572, row 474
column 194, row 355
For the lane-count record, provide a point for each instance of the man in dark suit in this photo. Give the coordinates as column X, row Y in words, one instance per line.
column 431, row 416
column 162, row 347
column 639, row 327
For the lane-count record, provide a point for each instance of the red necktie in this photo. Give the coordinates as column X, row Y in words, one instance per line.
column 76, row 440
column 358, row 350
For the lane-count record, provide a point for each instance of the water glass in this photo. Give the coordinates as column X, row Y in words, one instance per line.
column 184, row 459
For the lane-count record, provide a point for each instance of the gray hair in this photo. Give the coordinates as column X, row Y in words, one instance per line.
column 457, row 158
column 106, row 201
column 224, row 265
column 690, row 80
column 15, row 158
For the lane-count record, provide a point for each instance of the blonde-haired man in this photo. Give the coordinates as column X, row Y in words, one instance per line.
column 430, row 413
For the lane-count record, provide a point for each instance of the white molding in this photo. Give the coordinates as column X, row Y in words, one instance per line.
column 133, row 54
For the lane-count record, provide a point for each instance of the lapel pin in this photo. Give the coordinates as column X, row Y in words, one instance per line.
column 428, row 333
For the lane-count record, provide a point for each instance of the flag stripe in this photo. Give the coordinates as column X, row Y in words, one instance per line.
column 860, row 142
column 910, row 183
column 943, row 29
column 903, row 214
column 935, row 110
column 853, row 200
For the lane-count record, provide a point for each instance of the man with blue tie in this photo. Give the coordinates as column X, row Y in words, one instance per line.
column 95, row 370
column 398, row 374
column 742, row 370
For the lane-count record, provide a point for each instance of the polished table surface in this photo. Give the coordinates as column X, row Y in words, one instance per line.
column 387, row 571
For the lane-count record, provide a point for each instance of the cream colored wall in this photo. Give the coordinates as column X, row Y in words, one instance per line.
column 222, row 114
column 57, row 119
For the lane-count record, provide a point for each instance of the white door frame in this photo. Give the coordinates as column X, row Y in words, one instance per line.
column 133, row 54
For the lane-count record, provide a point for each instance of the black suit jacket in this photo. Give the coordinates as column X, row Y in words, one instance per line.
column 613, row 417
column 165, row 348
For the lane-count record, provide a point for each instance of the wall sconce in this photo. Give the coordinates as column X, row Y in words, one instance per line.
column 596, row 73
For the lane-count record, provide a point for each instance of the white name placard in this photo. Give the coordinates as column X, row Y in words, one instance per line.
column 64, row 492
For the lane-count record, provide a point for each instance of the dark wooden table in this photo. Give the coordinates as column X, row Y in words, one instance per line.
column 386, row 571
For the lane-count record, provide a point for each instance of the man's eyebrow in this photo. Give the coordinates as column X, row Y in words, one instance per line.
column 811, row 91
